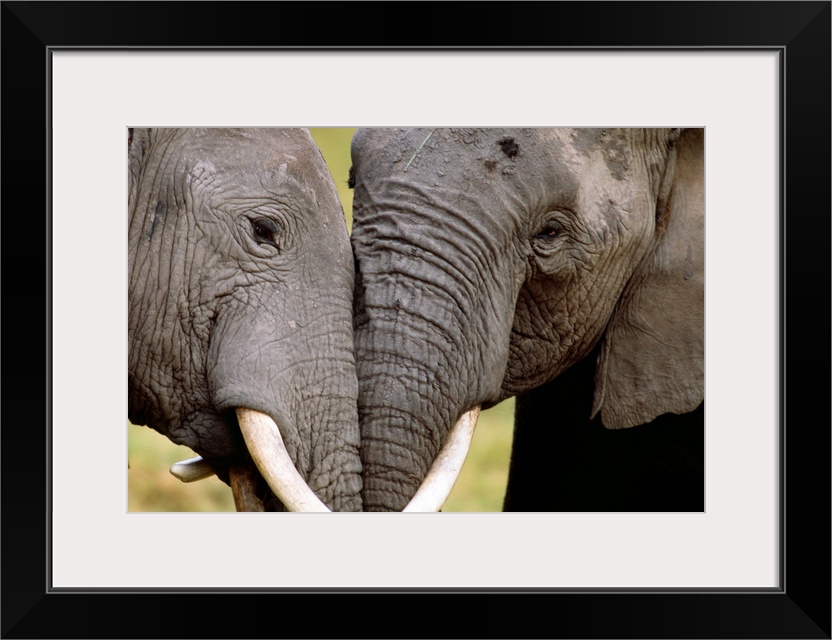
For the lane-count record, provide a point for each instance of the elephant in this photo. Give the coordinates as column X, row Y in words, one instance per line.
column 240, row 313
column 560, row 266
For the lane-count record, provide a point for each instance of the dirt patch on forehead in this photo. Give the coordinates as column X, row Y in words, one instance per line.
column 612, row 143
column 509, row 146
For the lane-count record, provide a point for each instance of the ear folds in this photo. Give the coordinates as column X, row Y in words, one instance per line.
column 652, row 358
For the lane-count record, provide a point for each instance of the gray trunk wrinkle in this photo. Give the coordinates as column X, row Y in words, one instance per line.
column 424, row 332
column 409, row 388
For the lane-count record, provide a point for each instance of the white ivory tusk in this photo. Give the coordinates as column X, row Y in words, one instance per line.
column 266, row 447
column 191, row 470
column 440, row 479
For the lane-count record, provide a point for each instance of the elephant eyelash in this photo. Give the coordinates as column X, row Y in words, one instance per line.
column 265, row 231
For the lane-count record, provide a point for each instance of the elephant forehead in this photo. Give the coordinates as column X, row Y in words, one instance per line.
column 222, row 172
column 517, row 156
column 258, row 158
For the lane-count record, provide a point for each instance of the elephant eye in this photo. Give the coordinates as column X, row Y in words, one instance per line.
column 550, row 231
column 265, row 231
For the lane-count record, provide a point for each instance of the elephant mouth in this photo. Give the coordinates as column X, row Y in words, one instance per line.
column 270, row 459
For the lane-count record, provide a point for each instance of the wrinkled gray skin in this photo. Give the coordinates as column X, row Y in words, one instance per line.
column 490, row 261
column 240, row 295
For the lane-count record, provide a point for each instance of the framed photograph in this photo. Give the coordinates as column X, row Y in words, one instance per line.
column 753, row 77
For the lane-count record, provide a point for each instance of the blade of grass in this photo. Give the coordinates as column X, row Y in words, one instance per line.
column 419, row 149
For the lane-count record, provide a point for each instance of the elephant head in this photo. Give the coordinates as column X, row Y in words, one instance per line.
column 491, row 261
column 240, row 313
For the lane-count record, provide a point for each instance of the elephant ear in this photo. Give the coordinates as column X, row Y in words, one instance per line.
column 652, row 358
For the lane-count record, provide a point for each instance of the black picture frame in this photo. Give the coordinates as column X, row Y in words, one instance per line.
column 799, row 608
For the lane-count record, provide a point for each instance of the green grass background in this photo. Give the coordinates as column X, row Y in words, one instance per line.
column 481, row 484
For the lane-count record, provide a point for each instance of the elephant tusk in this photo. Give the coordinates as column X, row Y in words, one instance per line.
column 192, row 470
column 442, row 475
column 266, row 447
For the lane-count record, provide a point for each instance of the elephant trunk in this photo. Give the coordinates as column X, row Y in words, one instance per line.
column 422, row 367
column 411, row 454
column 289, row 381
